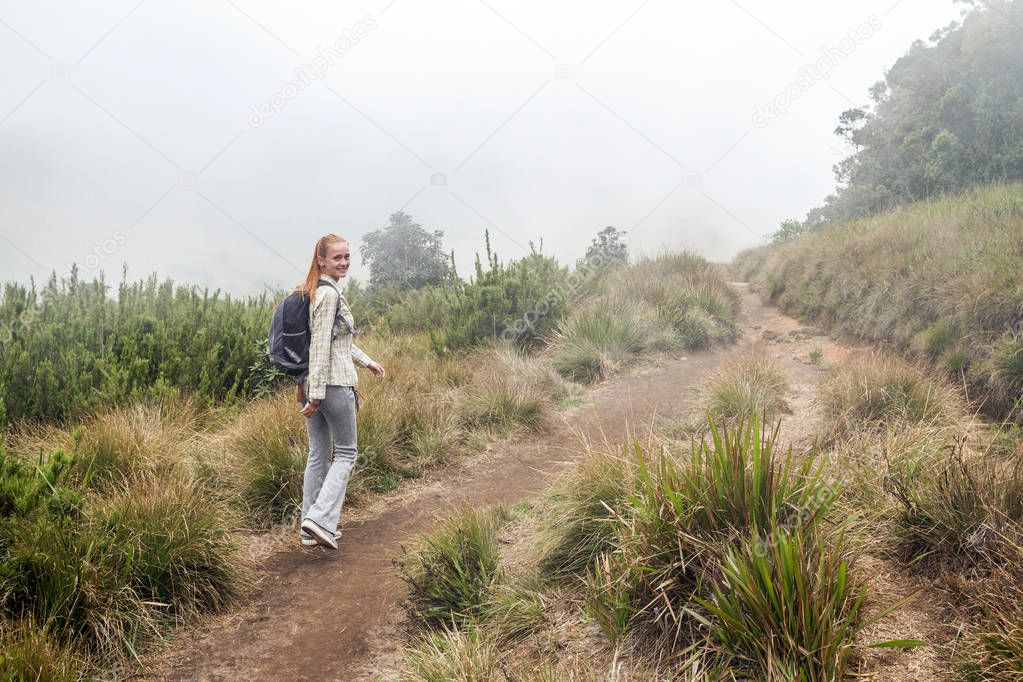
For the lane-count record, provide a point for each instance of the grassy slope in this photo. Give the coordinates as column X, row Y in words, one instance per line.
column 939, row 280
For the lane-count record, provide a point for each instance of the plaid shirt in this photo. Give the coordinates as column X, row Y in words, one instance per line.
column 331, row 362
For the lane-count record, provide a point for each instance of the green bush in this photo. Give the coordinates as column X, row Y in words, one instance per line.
column 786, row 606
column 177, row 549
column 519, row 302
column 72, row 349
column 668, row 543
column 450, row 574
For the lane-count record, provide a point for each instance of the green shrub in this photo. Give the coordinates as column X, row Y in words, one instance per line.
column 786, row 606
column 520, row 302
column 176, row 548
column 26, row 490
column 683, row 510
column 581, row 512
column 450, row 574
column 73, row 348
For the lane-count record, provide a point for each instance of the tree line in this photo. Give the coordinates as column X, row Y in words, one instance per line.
column 946, row 117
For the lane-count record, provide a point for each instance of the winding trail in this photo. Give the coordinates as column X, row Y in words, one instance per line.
column 320, row 615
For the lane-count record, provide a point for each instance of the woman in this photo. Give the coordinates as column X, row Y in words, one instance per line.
column 329, row 392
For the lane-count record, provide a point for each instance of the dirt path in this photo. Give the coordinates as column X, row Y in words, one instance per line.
column 331, row 616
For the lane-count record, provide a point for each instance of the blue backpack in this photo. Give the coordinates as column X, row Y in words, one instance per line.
column 289, row 338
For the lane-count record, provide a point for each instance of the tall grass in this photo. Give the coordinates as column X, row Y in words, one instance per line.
column 508, row 391
column 938, row 492
column 995, row 649
column 877, row 390
column 466, row 655
column 600, row 339
column 956, row 512
column 265, row 451
column 105, row 574
column 751, row 385
column 786, row 605
column 937, row 279
column 687, row 507
column 177, row 550
column 450, row 574
column 581, row 512
column 673, row 301
column 113, row 444
column 28, row 653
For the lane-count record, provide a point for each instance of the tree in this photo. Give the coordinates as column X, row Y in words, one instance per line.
column 789, row 230
column 947, row 116
column 608, row 248
column 402, row 255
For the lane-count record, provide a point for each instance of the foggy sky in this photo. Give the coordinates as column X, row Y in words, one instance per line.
column 136, row 132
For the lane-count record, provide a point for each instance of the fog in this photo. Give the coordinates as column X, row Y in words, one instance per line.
column 213, row 142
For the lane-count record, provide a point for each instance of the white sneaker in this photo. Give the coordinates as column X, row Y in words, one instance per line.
column 321, row 536
column 309, row 541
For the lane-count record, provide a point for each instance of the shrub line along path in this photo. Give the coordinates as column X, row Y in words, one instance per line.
column 319, row 615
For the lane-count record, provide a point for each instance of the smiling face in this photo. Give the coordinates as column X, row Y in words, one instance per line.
column 337, row 260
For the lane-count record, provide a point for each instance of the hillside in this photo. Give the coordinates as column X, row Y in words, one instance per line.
column 936, row 280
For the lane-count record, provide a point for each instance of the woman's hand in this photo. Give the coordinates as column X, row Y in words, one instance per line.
column 376, row 368
column 309, row 409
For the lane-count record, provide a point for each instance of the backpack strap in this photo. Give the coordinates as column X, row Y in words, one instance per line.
column 337, row 311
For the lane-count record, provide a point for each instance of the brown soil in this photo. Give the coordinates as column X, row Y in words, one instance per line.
column 319, row 615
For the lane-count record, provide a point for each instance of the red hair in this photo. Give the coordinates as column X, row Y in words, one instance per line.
column 308, row 287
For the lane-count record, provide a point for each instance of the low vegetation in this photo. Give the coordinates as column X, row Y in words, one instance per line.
column 938, row 495
column 720, row 557
column 730, row 559
column 937, row 280
column 674, row 301
column 745, row 386
column 118, row 523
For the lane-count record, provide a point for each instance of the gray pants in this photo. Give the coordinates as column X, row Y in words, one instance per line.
column 332, row 453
